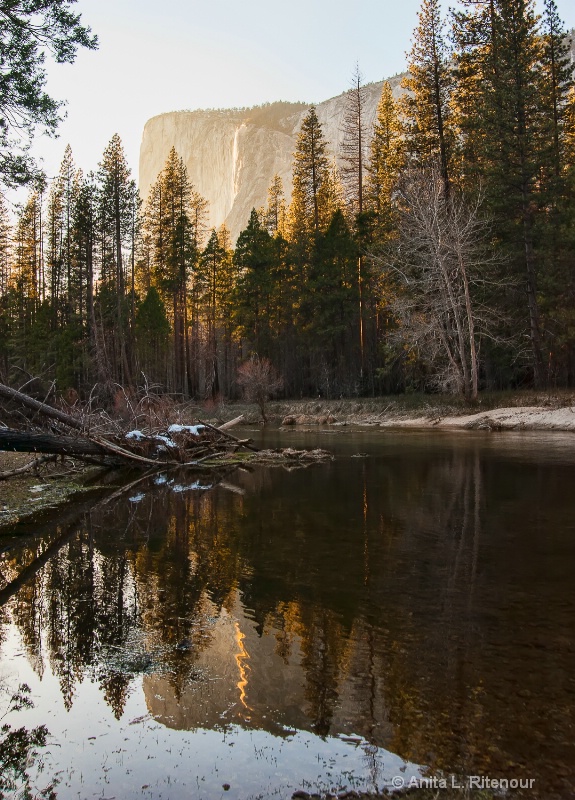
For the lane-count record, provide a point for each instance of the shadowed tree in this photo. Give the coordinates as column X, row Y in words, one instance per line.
column 29, row 29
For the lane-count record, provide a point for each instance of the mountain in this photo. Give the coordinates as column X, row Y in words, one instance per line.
column 232, row 155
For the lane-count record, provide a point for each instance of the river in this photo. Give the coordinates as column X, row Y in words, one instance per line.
column 404, row 610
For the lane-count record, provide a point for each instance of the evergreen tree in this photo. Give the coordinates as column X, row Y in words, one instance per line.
column 152, row 330
column 5, row 239
column 331, row 311
column 117, row 205
column 5, row 270
column 276, row 211
column 173, row 213
column 354, row 144
column 557, row 81
column 209, row 278
column 25, row 299
column 84, row 255
column 311, row 173
column 426, row 102
column 387, row 158
column 28, row 31
column 62, row 281
column 253, row 260
column 506, row 141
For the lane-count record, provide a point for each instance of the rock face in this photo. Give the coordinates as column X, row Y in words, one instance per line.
column 232, row 155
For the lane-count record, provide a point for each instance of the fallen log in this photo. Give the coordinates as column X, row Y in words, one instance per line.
column 26, row 442
column 42, row 408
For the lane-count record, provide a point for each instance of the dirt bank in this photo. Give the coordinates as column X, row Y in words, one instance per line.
column 495, row 411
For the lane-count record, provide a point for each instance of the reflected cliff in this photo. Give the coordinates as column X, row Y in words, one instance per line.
column 418, row 599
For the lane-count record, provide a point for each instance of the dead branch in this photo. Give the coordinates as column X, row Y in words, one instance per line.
column 244, row 442
column 31, row 465
column 227, row 425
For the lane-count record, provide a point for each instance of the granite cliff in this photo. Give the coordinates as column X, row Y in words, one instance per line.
column 232, row 155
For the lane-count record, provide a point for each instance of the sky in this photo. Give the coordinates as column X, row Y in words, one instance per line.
column 164, row 56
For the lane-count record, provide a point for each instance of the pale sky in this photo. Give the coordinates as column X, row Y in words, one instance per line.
column 187, row 54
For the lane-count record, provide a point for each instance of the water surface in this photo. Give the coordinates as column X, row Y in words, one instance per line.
column 409, row 605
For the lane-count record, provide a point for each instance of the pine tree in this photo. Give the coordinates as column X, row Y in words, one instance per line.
column 152, row 330
column 173, row 219
column 276, row 211
column 5, row 298
column 62, row 282
column 25, row 300
column 387, row 158
column 209, row 277
column 354, row 144
column 426, row 102
column 5, row 238
column 84, row 254
column 557, row 81
column 117, row 201
column 331, row 311
column 226, row 295
column 499, row 102
column 253, row 260
column 310, row 174
column 28, row 32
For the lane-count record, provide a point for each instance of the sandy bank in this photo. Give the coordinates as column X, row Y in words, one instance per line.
column 533, row 418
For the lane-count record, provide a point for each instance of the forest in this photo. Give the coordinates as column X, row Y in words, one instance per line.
column 438, row 256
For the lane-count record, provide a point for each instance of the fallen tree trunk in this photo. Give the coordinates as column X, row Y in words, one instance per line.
column 26, row 442
column 42, row 408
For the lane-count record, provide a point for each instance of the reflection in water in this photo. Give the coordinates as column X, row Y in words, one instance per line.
column 418, row 601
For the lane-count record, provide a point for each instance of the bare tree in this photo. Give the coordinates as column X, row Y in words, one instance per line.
column 442, row 262
column 259, row 381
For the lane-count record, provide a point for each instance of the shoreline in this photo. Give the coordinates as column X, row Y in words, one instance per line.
column 551, row 416
column 23, row 495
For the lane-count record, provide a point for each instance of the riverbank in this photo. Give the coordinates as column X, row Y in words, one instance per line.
column 525, row 410
column 517, row 411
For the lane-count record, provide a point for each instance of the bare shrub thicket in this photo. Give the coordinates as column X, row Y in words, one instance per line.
column 259, row 381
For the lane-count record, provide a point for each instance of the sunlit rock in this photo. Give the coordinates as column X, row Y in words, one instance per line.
column 232, row 155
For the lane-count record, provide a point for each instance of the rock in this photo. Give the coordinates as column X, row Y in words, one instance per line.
column 289, row 420
column 232, row 155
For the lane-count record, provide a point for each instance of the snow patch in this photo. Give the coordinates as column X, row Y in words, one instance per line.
column 178, row 487
column 137, row 435
column 165, row 440
column 137, row 497
column 193, row 429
